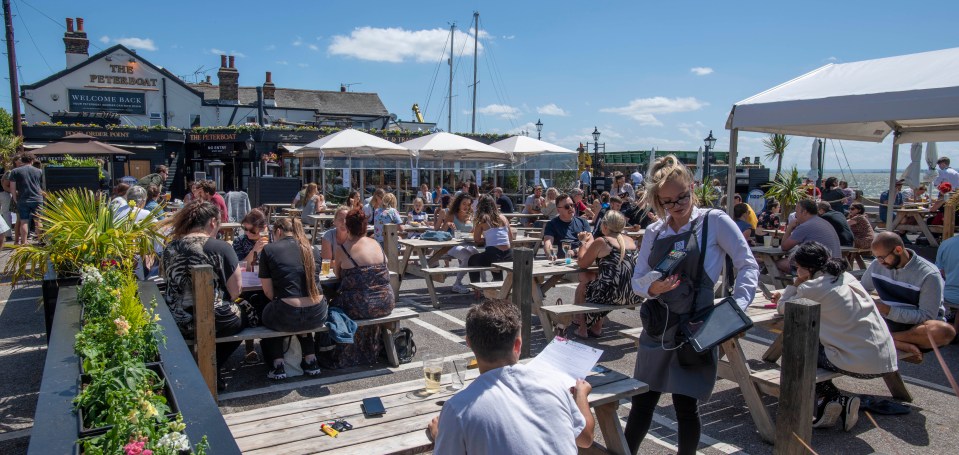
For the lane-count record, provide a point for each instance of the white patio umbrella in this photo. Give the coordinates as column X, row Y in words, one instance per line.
column 652, row 160
column 524, row 147
column 932, row 155
column 444, row 146
column 911, row 174
column 699, row 165
column 349, row 143
column 814, row 163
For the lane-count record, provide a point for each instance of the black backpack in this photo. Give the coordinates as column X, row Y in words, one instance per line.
column 405, row 346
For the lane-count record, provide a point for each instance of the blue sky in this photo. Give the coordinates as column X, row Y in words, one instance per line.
column 647, row 74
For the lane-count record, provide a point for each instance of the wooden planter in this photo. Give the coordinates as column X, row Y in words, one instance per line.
column 185, row 387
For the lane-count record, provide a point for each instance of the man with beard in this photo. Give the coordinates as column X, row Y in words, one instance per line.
column 910, row 289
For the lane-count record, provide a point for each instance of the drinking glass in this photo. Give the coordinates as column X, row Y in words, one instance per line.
column 768, row 240
column 458, row 374
column 432, row 372
column 325, row 268
column 242, row 266
column 566, row 252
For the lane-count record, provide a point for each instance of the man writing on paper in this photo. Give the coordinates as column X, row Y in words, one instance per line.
column 510, row 407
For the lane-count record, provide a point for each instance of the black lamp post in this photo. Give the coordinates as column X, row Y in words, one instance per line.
column 596, row 162
column 710, row 142
column 539, row 129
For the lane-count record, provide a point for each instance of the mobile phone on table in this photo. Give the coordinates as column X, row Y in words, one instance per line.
column 373, row 407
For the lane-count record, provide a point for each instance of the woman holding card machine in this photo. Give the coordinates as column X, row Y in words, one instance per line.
column 680, row 259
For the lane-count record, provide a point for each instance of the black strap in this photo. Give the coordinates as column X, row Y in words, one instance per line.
column 348, row 255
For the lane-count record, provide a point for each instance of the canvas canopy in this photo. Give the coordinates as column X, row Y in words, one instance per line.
column 914, row 96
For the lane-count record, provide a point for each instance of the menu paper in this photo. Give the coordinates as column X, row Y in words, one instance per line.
column 569, row 359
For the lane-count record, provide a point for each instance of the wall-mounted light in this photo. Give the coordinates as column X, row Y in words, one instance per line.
column 109, row 58
column 133, row 60
column 54, row 96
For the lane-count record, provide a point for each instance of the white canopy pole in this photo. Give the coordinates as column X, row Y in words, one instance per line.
column 892, row 181
column 731, row 168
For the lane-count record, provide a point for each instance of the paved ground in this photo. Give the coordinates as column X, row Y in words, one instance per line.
column 727, row 427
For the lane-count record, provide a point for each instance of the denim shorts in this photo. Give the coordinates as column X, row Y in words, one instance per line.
column 26, row 211
column 281, row 316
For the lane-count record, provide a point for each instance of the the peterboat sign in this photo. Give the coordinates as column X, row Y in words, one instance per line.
column 105, row 101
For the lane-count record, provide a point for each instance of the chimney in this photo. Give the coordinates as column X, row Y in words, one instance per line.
column 269, row 91
column 229, row 81
column 342, row 88
column 208, row 80
column 76, row 43
column 231, row 61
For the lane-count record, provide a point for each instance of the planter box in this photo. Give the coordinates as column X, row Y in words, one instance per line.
column 85, row 431
column 60, row 178
column 51, row 291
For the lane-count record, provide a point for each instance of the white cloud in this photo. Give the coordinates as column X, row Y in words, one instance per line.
column 303, row 65
column 552, row 109
column 701, row 70
column 298, row 41
column 528, row 127
column 644, row 110
column 313, row 47
column 216, row 51
column 502, row 110
column 692, row 131
column 104, row 39
column 270, row 47
column 397, row 45
column 145, row 44
column 237, row 54
column 282, row 62
column 509, row 37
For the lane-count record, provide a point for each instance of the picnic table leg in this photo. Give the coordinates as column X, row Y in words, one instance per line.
column 740, row 370
column 507, row 286
column 609, row 424
column 775, row 350
column 925, row 230
column 391, row 354
column 897, row 387
column 205, row 332
column 407, row 253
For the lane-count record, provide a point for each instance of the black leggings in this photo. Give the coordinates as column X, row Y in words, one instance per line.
column 486, row 258
column 641, row 416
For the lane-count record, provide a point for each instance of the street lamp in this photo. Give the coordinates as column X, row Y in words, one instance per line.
column 596, row 162
column 710, row 142
column 539, row 129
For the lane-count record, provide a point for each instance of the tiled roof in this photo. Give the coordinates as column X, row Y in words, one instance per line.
column 322, row 101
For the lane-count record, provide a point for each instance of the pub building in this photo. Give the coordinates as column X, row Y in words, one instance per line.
column 223, row 131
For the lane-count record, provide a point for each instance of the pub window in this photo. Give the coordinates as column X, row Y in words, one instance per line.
column 155, row 119
column 251, row 119
column 194, row 120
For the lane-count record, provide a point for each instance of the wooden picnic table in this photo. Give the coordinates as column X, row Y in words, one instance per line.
column 523, row 216
column 768, row 255
column 271, row 207
column 250, row 281
column 546, row 275
column 294, row 428
column 919, row 216
column 292, row 211
column 229, row 230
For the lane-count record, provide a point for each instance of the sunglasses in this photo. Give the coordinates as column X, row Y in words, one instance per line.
column 567, row 206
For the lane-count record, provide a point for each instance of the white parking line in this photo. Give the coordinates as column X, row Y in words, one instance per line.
column 20, row 299
column 703, row 438
column 438, row 331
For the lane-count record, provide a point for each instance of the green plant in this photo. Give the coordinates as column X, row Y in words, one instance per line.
column 705, row 195
column 776, row 147
column 787, row 189
column 9, row 146
column 80, row 229
column 564, row 180
column 69, row 161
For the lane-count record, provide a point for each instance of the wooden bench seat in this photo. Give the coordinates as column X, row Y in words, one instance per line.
column 259, row 333
column 490, row 289
column 562, row 314
column 438, row 274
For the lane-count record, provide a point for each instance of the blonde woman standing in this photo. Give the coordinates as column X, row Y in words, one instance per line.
column 690, row 379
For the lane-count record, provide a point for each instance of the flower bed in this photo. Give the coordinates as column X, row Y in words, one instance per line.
column 124, row 404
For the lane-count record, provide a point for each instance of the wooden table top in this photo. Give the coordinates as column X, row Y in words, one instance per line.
column 522, row 215
column 294, row 427
column 543, row 267
column 277, row 205
column 251, row 282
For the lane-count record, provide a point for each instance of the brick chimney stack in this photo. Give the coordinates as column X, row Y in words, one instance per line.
column 229, row 81
column 76, row 43
column 269, row 90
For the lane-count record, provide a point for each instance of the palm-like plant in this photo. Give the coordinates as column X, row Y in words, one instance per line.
column 787, row 189
column 776, row 147
column 79, row 228
column 9, row 146
column 705, row 195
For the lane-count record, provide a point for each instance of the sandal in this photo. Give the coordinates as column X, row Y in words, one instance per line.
column 594, row 335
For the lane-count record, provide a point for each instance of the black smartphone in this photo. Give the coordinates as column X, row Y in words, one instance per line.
column 670, row 263
column 373, row 407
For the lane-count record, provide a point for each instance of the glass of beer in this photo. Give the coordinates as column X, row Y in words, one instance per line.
column 325, row 268
column 433, row 372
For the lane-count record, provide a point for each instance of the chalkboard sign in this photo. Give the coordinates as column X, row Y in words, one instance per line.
column 273, row 190
column 60, row 178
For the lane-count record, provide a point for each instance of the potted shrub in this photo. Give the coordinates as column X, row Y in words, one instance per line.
column 787, row 189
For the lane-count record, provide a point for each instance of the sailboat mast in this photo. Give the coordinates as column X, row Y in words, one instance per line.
column 449, row 113
column 475, row 48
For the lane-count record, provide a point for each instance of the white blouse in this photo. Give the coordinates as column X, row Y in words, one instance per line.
column 724, row 239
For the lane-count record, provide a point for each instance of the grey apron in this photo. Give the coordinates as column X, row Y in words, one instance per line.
column 656, row 359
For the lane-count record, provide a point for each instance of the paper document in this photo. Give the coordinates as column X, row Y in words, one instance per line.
column 570, row 359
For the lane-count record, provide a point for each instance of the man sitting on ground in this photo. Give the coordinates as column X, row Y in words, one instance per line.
column 510, row 408
column 837, row 221
column 910, row 289
column 808, row 227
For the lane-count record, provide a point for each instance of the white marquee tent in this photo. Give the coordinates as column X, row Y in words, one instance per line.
column 915, row 97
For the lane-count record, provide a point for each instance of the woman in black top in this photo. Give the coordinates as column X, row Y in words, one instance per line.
column 251, row 243
column 288, row 274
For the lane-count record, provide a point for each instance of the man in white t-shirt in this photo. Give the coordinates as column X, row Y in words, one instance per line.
column 946, row 174
column 510, row 408
column 637, row 178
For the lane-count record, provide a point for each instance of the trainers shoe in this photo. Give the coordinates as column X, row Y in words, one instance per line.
column 850, row 411
column 831, row 409
column 278, row 372
column 311, row 368
column 461, row 289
